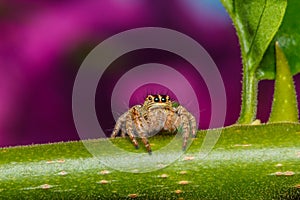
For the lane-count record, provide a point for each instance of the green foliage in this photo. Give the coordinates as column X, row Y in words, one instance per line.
column 288, row 37
column 256, row 23
column 284, row 106
column 248, row 162
column 259, row 25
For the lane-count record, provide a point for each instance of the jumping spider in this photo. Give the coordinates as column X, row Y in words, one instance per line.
column 156, row 114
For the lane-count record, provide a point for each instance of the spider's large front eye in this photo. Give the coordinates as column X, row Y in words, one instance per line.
column 156, row 99
column 163, row 99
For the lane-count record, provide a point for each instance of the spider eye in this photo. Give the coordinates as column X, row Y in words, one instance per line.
column 156, row 99
column 150, row 98
column 163, row 99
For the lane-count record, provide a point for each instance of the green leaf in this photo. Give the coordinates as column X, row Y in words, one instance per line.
column 256, row 23
column 288, row 36
column 284, row 108
column 248, row 162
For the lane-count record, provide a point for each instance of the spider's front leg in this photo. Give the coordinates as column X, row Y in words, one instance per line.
column 180, row 110
column 142, row 128
column 185, row 130
column 129, row 129
column 193, row 124
column 187, row 123
column 146, row 142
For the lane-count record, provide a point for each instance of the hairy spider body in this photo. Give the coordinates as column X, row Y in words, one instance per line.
column 156, row 114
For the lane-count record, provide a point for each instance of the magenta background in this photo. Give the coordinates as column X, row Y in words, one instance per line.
column 42, row 45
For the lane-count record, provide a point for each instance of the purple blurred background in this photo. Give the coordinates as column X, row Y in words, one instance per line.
column 43, row 43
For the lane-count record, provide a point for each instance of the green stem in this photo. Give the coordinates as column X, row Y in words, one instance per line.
column 249, row 98
column 248, row 162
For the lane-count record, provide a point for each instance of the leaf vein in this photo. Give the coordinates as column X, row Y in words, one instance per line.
column 257, row 28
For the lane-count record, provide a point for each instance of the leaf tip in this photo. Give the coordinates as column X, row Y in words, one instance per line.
column 284, row 107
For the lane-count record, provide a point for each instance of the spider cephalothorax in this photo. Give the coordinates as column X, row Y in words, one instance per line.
column 157, row 113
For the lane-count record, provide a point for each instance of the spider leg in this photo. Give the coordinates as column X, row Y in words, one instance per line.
column 119, row 124
column 192, row 121
column 172, row 122
column 146, row 143
column 142, row 128
column 188, row 122
column 193, row 124
column 129, row 129
column 185, row 130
